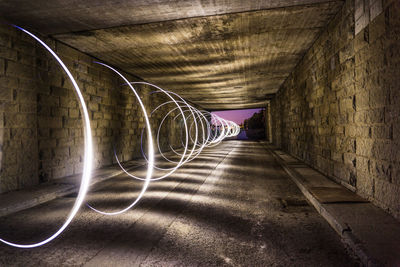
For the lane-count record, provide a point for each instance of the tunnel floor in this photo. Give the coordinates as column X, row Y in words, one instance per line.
column 231, row 206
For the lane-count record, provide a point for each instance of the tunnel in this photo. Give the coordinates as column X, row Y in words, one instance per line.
column 200, row 133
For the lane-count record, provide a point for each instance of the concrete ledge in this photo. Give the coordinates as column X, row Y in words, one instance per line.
column 15, row 201
column 372, row 234
column 27, row 198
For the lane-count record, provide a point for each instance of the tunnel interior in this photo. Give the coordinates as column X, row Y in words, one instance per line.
column 321, row 77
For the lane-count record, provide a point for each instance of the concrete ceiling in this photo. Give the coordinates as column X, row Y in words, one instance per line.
column 218, row 54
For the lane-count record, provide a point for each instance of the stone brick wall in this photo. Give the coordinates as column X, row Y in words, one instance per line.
column 41, row 135
column 268, row 124
column 18, row 116
column 339, row 110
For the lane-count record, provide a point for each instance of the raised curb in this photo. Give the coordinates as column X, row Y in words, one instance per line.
column 344, row 231
column 47, row 192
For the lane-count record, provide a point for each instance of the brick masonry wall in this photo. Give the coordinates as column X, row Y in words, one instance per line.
column 339, row 110
column 41, row 135
column 268, row 123
column 18, row 116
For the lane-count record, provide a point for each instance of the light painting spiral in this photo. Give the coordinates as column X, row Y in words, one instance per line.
column 197, row 130
column 88, row 158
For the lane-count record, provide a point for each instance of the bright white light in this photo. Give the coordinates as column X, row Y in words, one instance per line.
column 213, row 130
column 181, row 162
column 150, row 149
column 88, row 159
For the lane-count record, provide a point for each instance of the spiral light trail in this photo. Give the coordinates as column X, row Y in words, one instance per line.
column 88, row 159
column 198, row 130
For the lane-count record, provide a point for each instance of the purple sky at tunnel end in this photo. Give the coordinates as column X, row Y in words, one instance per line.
column 237, row 116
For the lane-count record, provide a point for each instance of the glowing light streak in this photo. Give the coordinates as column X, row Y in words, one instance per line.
column 88, row 158
column 150, row 149
column 213, row 130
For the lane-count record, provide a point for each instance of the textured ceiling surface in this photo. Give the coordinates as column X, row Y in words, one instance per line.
column 61, row 16
column 229, row 61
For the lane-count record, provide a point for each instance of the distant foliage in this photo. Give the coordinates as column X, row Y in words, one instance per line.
column 255, row 126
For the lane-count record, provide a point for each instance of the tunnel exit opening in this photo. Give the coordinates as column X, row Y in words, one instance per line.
column 252, row 122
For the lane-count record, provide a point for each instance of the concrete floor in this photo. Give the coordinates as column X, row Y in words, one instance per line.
column 232, row 206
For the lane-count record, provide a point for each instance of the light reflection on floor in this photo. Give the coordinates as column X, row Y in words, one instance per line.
column 222, row 210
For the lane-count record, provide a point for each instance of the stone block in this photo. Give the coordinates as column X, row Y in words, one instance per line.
column 350, row 131
column 43, row 133
column 27, row 59
column 20, row 71
column 101, row 91
column 90, row 89
column 340, row 171
column 93, row 106
column 346, row 104
column 16, row 120
column 379, row 97
column 107, row 116
column 365, row 185
column 27, row 108
column 73, row 113
column 12, row 170
column 76, row 151
column 78, row 168
column 68, row 102
column 362, row 99
column 382, row 132
column 375, row 116
column 5, row 40
column 396, row 131
column 105, row 123
column 349, row 159
column 61, row 152
column 48, row 100
column 8, row 82
column 47, row 143
column 396, row 174
column 81, row 68
column 71, row 123
column 6, row 94
column 26, row 46
column 50, row 122
column 62, row 171
column 59, row 91
column 100, row 132
column 381, row 170
column 360, row 117
column 382, row 149
column 59, row 133
column 76, row 132
column 45, row 154
column 387, row 194
column 97, row 115
column 10, row 157
column 364, row 147
column 26, row 97
column 2, row 70
column 65, row 142
column 22, row 133
column 59, row 112
column 8, row 53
